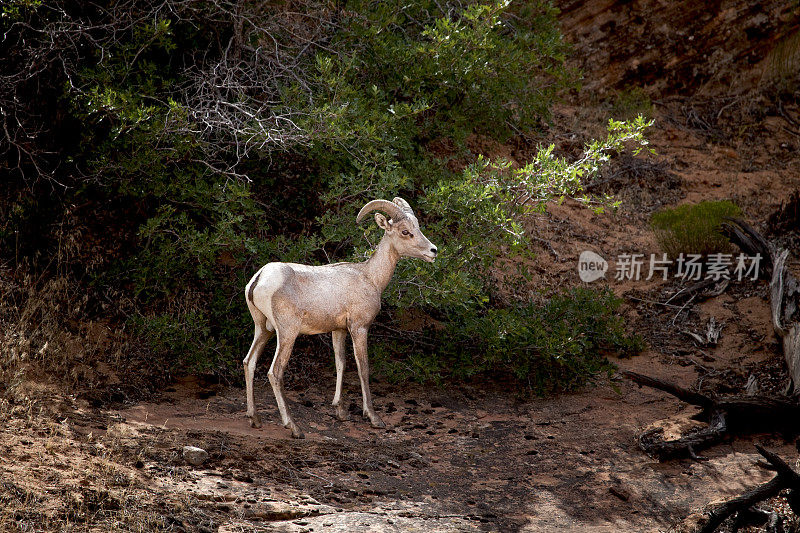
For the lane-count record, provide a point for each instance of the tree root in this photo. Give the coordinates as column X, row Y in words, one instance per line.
column 734, row 415
column 786, row 478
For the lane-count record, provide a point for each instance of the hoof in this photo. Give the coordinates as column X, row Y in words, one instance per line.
column 255, row 421
column 377, row 422
column 296, row 433
column 342, row 414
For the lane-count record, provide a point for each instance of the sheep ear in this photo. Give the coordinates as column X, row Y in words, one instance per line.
column 381, row 221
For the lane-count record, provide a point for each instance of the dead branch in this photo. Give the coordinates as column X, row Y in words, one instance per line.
column 686, row 395
column 688, row 445
column 712, row 333
column 784, row 292
column 228, row 94
column 700, row 286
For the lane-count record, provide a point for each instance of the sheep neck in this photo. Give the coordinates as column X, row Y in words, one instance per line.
column 380, row 267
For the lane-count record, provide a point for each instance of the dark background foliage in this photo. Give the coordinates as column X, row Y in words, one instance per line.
column 157, row 152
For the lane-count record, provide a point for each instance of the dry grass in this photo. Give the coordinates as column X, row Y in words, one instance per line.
column 51, row 339
column 53, row 478
column 57, row 477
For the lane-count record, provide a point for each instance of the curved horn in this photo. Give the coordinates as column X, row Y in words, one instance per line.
column 393, row 210
column 404, row 206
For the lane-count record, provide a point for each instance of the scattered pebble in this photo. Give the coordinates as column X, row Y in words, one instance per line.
column 194, row 455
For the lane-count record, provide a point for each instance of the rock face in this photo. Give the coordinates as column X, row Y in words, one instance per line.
column 378, row 520
column 194, row 456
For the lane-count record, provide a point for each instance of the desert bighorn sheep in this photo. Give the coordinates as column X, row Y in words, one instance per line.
column 291, row 299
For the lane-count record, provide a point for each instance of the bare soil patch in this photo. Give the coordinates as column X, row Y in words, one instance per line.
column 483, row 456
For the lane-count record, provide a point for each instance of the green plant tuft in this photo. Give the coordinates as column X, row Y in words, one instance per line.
column 694, row 228
column 632, row 102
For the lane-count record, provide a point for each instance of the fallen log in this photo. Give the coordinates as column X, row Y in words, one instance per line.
column 785, row 478
column 732, row 415
column 784, row 292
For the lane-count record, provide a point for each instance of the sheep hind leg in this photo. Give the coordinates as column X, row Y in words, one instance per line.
column 276, row 370
column 339, row 349
column 263, row 332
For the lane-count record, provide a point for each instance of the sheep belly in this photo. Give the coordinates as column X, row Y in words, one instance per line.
column 321, row 313
column 323, row 305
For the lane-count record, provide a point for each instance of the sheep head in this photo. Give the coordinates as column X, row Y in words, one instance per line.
column 402, row 228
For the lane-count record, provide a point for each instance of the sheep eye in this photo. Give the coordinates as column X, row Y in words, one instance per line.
column 406, row 232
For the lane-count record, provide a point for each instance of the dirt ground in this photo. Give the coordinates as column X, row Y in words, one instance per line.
column 469, row 458
column 454, row 458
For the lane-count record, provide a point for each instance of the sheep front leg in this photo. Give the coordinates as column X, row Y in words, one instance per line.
column 282, row 354
column 360, row 349
column 339, row 340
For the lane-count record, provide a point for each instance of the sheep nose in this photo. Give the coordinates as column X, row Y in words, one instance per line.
column 434, row 250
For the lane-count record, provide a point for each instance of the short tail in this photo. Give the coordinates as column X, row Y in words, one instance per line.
column 252, row 287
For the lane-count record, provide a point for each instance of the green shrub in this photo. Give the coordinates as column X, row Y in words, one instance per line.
column 560, row 344
column 693, row 228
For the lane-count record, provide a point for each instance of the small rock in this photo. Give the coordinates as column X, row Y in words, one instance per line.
column 194, row 455
column 752, row 385
column 276, row 511
column 241, row 476
column 418, row 461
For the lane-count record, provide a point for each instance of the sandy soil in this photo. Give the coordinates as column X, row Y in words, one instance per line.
column 483, row 458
